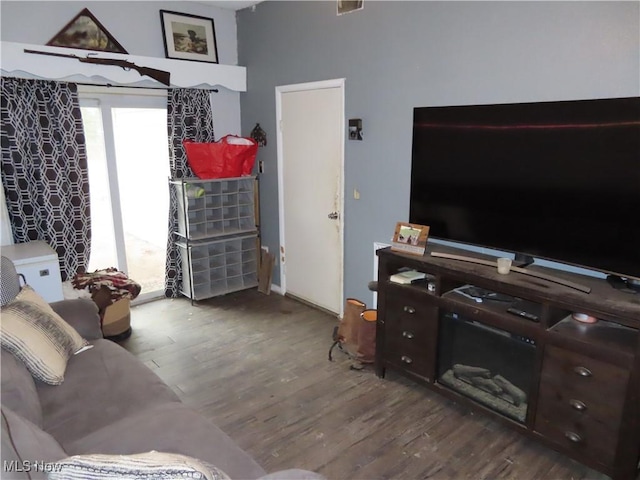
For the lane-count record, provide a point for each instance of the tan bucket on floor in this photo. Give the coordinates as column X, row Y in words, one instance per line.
column 117, row 318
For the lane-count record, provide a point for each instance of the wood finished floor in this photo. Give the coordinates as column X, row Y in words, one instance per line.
column 256, row 366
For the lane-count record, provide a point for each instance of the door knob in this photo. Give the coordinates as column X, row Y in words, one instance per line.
column 333, row 216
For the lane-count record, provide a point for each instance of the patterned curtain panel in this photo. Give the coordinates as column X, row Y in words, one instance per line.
column 44, row 168
column 189, row 116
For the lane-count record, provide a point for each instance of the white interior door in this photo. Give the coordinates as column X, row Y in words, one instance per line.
column 310, row 163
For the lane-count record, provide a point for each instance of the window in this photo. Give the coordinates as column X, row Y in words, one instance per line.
column 127, row 150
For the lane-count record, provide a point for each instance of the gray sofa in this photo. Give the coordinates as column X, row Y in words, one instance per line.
column 109, row 403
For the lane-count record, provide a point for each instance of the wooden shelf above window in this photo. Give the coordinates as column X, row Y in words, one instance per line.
column 184, row 74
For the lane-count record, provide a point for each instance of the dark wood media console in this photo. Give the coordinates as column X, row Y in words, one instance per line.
column 582, row 382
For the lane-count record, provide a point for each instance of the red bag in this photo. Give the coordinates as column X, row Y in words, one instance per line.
column 231, row 156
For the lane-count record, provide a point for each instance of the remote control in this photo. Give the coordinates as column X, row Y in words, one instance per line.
column 523, row 314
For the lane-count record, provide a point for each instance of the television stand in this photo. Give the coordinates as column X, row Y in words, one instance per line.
column 531, row 273
column 570, row 385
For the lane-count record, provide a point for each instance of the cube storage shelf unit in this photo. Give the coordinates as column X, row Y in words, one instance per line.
column 217, row 235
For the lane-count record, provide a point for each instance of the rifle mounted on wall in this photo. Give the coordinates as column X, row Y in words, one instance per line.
column 158, row 75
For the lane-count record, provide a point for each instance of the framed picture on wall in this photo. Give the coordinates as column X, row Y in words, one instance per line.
column 86, row 32
column 189, row 37
column 410, row 238
column 346, row 6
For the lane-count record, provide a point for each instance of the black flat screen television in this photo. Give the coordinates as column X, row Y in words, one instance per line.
column 552, row 180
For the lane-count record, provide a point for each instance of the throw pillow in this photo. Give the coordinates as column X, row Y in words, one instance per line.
column 142, row 466
column 38, row 336
column 9, row 281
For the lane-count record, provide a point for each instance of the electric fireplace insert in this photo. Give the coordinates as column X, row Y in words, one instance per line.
column 491, row 366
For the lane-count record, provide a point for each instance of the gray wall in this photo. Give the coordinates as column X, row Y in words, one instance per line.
column 399, row 55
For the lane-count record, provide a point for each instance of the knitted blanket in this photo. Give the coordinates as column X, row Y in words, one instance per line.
column 119, row 285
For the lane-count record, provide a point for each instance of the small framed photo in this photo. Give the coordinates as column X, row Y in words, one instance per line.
column 410, row 238
column 189, row 37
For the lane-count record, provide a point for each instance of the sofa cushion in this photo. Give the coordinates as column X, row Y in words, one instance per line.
column 101, row 386
column 143, row 466
column 171, row 427
column 18, row 390
column 25, row 447
column 81, row 314
column 38, row 336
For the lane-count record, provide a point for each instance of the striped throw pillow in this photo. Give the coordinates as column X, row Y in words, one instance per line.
column 142, row 466
column 38, row 336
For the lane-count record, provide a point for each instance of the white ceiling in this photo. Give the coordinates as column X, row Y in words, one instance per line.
column 231, row 4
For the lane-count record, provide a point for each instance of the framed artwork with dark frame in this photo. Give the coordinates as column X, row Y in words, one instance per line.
column 189, row 37
column 347, row 6
column 86, row 32
column 410, row 238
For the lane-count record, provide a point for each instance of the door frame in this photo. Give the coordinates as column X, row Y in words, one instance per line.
column 298, row 87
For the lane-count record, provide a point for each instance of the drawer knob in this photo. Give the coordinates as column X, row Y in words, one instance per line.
column 406, row 359
column 409, row 309
column 582, row 371
column 573, row 437
column 577, row 405
column 408, row 335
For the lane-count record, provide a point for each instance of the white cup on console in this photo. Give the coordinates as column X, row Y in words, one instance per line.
column 504, row 265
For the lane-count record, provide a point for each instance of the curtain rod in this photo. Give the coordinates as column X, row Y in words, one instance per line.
column 109, row 85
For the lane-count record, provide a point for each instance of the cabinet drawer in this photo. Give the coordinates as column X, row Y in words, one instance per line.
column 585, row 378
column 564, row 401
column 580, row 403
column 581, row 433
column 410, row 355
column 408, row 325
column 410, row 333
column 406, row 308
column 410, row 320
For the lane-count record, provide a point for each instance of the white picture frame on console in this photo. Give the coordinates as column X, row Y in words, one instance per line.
column 410, row 238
